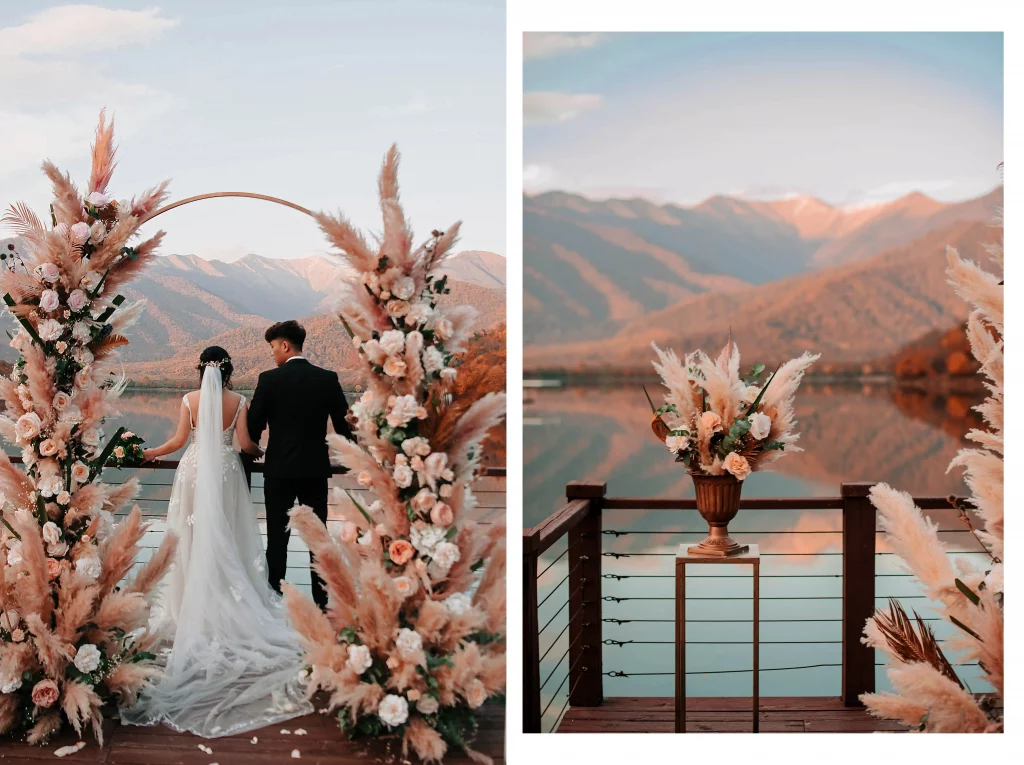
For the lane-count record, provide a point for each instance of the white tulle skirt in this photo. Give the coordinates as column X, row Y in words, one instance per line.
column 232, row 662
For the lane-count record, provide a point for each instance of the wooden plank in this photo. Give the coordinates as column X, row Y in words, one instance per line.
column 531, row 636
column 725, row 703
column 552, row 529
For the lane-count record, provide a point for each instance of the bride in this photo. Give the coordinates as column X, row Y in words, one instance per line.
column 233, row 661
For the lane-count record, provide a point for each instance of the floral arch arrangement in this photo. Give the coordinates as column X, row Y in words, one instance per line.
column 72, row 642
column 413, row 641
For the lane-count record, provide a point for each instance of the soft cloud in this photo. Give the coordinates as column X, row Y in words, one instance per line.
column 538, row 178
column 892, row 191
column 546, row 44
column 552, row 108
column 46, row 55
column 83, row 29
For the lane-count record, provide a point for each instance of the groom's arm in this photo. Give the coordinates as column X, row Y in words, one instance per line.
column 258, row 409
column 339, row 408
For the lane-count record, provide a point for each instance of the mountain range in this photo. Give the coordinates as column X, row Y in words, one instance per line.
column 602, row 279
column 193, row 303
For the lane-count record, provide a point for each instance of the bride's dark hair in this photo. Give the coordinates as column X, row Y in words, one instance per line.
column 215, row 356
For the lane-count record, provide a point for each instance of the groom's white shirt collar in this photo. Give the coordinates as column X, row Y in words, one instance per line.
column 296, row 358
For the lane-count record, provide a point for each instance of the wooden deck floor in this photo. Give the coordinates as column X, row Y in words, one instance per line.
column 812, row 714
column 322, row 744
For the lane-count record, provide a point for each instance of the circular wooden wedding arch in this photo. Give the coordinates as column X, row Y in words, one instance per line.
column 217, row 194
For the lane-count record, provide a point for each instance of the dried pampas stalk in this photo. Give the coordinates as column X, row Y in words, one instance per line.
column 155, row 568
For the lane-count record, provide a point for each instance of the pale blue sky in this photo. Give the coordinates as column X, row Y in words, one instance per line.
column 851, row 118
column 294, row 99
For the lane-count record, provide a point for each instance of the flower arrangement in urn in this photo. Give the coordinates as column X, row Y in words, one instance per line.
column 413, row 641
column 73, row 641
column 723, row 426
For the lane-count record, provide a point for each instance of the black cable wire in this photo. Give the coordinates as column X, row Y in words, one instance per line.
column 619, row 673
column 548, row 567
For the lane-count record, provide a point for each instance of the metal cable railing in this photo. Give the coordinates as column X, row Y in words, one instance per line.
column 626, row 609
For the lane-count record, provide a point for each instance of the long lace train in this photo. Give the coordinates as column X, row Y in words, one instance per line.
column 233, row 661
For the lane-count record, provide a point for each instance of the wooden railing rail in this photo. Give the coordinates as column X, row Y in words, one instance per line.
column 581, row 520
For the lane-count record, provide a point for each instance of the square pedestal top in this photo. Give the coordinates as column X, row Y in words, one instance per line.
column 751, row 555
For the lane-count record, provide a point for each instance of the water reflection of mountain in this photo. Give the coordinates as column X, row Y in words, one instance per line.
column 858, row 433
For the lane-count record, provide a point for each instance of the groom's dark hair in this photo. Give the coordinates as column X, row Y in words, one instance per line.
column 289, row 330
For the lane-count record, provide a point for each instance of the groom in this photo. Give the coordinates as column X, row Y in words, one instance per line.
column 295, row 400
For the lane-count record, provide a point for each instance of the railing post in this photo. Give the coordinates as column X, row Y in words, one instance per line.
column 531, row 636
column 586, row 688
column 858, row 590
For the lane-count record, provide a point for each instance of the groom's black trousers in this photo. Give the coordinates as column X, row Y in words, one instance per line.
column 280, row 495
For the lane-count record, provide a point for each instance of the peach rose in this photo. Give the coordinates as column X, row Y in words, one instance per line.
column 737, row 465
column 400, row 552
column 476, row 695
column 406, row 585
column 424, row 501
column 18, row 635
column 349, row 532
column 61, row 400
column 53, row 567
column 394, row 367
column 711, row 422
column 45, row 693
column 442, row 515
column 48, row 447
column 412, row 694
column 80, row 472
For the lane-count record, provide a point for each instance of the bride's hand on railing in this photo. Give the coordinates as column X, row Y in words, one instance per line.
column 148, row 455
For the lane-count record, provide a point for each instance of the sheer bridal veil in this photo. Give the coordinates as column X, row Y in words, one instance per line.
column 234, row 662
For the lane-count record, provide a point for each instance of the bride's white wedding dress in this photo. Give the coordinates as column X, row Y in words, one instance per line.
column 234, row 661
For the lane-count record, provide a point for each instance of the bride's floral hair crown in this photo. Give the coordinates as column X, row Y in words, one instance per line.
column 215, row 356
column 219, row 363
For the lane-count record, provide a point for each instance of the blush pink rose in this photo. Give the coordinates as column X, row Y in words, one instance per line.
column 53, row 567
column 45, row 693
column 442, row 515
column 49, row 300
column 49, row 272
column 400, row 552
column 76, row 300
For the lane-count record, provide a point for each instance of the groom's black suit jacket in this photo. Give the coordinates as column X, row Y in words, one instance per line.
column 295, row 400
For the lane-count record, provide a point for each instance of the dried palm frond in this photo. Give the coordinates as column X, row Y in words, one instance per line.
column 910, row 644
column 23, row 221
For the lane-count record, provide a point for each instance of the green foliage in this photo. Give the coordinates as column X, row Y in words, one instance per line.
column 740, row 427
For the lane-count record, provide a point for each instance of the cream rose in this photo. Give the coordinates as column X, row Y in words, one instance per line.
column 403, row 476
column 677, row 443
column 409, row 643
column 28, row 426
column 427, row 705
column 374, row 352
column 392, row 342
column 445, row 556
column 18, row 635
column 458, row 604
column 90, row 566
column 51, row 532
column 81, row 332
column 433, row 359
column 359, row 658
column 417, row 445
column 393, row 710
column 84, row 378
column 403, row 288
column 403, row 410
column 737, row 465
column 88, row 658
column 760, row 425
column 49, row 330
column 405, row 585
column 63, row 498
column 397, row 308
column 90, row 281
column 711, row 422
column 47, row 447
column 98, row 232
column 419, row 314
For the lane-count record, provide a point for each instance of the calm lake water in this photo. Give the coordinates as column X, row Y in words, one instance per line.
column 849, row 433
